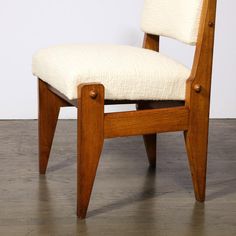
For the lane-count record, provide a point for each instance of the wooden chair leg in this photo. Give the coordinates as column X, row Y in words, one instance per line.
column 90, row 141
column 150, row 145
column 198, row 93
column 49, row 107
column 149, row 139
column 196, row 145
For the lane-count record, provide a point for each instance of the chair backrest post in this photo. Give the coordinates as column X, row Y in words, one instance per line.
column 151, row 42
column 202, row 66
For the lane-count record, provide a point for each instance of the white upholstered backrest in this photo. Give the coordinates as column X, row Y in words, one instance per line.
column 178, row 19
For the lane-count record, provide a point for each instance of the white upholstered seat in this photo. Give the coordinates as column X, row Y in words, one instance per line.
column 126, row 72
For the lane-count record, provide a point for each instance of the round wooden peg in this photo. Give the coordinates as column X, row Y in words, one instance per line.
column 211, row 24
column 197, row 88
column 93, row 94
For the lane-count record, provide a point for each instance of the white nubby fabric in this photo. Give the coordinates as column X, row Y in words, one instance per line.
column 178, row 19
column 126, row 72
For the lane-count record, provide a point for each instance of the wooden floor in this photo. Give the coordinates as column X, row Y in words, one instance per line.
column 128, row 198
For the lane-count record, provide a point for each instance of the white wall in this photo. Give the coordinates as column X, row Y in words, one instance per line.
column 27, row 25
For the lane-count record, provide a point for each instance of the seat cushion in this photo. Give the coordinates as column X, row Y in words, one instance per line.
column 127, row 73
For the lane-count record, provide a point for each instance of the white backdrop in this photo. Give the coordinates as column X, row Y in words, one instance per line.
column 27, row 25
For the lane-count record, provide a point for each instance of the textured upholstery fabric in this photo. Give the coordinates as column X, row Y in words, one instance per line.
column 177, row 19
column 126, row 72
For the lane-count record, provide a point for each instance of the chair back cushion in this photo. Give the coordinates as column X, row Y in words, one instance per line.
column 178, row 19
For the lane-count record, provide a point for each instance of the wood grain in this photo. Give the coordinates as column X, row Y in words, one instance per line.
column 49, row 108
column 196, row 137
column 90, row 141
column 150, row 140
column 132, row 123
column 151, row 42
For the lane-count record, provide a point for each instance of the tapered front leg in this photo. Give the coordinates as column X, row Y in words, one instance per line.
column 196, row 139
column 90, row 141
column 196, row 145
column 197, row 156
column 49, row 107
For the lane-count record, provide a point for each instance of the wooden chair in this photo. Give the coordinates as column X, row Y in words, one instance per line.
column 190, row 114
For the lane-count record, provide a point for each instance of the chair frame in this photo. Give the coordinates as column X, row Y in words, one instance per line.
column 190, row 116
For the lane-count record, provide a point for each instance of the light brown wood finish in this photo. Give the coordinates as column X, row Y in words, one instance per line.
column 90, row 141
column 151, row 42
column 49, row 108
column 93, row 125
column 198, row 100
column 133, row 123
column 150, row 140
